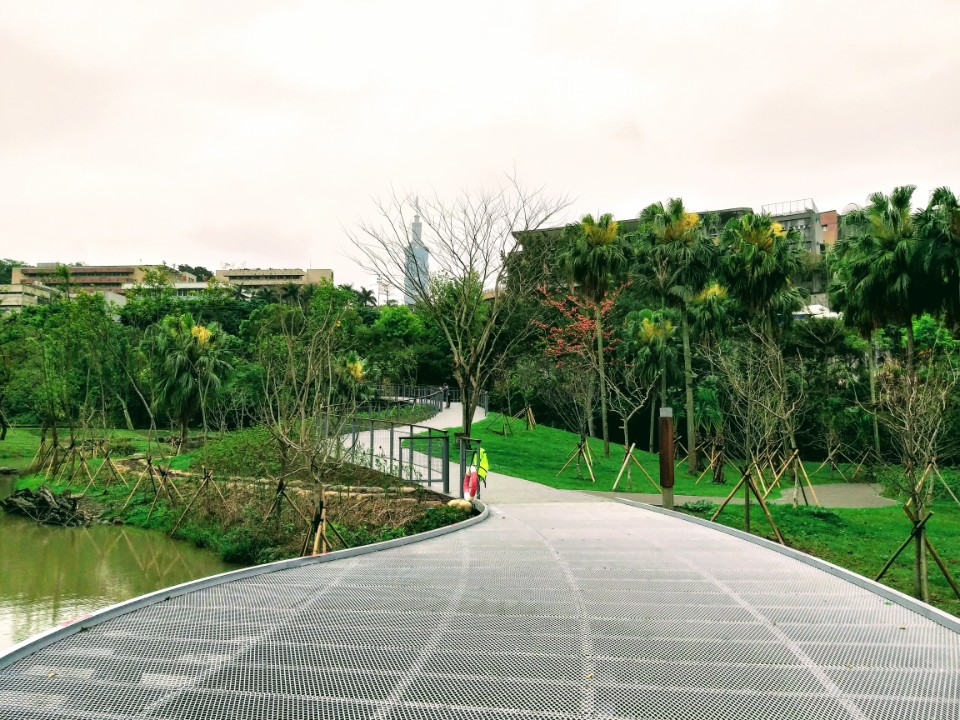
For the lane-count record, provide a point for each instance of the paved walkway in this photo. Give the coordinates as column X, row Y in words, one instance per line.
column 560, row 605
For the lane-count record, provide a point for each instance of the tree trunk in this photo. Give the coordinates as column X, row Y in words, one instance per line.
column 603, row 384
column 872, row 372
column 688, row 386
column 589, row 411
column 920, row 568
column 183, row 436
column 126, row 411
column 910, row 347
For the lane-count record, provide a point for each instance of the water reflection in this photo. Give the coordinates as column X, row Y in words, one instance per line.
column 51, row 575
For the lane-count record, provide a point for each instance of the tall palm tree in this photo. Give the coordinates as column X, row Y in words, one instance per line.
column 650, row 339
column 192, row 365
column 760, row 261
column 883, row 264
column 593, row 256
column 680, row 260
column 366, row 298
column 938, row 227
column 846, row 297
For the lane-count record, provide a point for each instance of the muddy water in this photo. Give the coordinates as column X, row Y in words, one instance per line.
column 51, row 575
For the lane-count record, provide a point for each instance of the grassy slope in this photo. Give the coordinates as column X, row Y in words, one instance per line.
column 539, row 454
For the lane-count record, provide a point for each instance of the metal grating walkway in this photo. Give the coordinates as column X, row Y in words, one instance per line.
column 562, row 610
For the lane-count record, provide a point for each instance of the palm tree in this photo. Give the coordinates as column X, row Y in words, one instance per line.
column 938, row 226
column 650, row 339
column 846, row 298
column 680, row 260
column 882, row 264
column 191, row 368
column 592, row 257
column 761, row 259
column 366, row 298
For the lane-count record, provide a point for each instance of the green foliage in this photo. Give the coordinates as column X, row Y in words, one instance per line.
column 250, row 452
column 6, row 269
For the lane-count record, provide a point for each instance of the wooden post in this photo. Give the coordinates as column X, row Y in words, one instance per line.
column 746, row 500
column 666, row 456
column 323, row 530
column 319, row 534
column 623, row 465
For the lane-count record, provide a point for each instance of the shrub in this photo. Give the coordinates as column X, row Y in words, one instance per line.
column 251, row 452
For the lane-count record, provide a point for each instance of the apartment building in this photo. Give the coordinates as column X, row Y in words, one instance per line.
column 93, row 277
column 256, row 278
column 16, row 296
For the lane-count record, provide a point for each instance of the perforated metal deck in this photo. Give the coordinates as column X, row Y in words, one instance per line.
column 543, row 611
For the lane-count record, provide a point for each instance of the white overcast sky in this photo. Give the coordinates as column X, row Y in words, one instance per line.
column 253, row 132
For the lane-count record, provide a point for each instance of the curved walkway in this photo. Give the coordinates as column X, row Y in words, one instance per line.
column 559, row 606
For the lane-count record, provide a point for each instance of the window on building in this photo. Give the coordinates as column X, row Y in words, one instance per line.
column 823, row 227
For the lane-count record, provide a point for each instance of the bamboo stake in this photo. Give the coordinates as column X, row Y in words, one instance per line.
column 646, row 474
column 189, row 504
column 760, row 477
column 766, row 511
column 940, row 564
column 574, row 455
column 623, row 465
column 590, row 469
column 913, row 532
column 813, row 492
column 946, row 487
column 713, row 460
column 729, row 497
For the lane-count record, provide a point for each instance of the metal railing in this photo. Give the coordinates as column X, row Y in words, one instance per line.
column 393, row 400
column 413, row 453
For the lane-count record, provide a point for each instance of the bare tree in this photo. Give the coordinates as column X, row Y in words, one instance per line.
column 308, row 395
column 471, row 242
column 759, row 407
column 914, row 406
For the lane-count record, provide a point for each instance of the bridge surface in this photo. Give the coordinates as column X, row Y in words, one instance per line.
column 559, row 605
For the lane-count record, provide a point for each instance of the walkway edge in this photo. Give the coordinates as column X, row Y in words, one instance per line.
column 933, row 614
column 38, row 642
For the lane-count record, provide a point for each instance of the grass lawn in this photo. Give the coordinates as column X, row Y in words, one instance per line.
column 539, row 454
column 18, row 450
column 860, row 540
column 20, row 447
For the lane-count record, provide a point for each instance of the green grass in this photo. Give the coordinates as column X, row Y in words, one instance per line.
column 539, row 454
column 18, row 450
column 861, row 540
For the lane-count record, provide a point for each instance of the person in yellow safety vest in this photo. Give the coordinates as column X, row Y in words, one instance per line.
column 482, row 464
column 476, row 471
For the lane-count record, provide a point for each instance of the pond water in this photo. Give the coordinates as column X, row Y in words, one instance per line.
column 51, row 575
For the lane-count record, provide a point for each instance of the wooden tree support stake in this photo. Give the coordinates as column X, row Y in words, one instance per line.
column 623, row 465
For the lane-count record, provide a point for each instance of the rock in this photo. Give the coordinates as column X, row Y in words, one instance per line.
column 46, row 507
column 8, row 471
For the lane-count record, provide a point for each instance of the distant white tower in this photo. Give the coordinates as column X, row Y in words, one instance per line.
column 416, row 261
